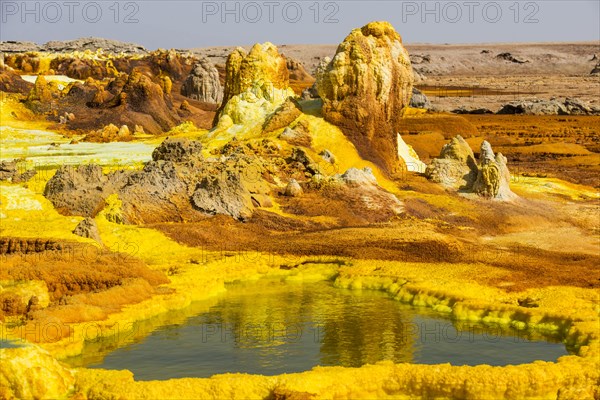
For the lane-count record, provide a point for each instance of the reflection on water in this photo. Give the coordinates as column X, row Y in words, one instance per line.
column 272, row 327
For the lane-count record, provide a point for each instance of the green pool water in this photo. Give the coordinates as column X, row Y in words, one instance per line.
column 273, row 327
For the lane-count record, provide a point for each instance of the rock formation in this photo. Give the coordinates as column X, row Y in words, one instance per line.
column 299, row 77
column 579, row 107
column 11, row 82
column 364, row 89
column 81, row 190
column 141, row 95
column 570, row 106
column 110, row 133
column 456, row 168
column 178, row 151
column 493, row 177
column 224, row 193
column 510, row 58
column 256, row 84
column 43, row 94
column 310, row 93
column 93, row 44
column 10, row 171
column 419, row 100
column 284, row 115
column 88, row 228
column 293, row 189
column 534, row 107
column 178, row 184
column 297, row 135
column 203, row 83
column 596, row 70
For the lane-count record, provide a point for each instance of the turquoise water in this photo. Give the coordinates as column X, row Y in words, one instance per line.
column 272, row 327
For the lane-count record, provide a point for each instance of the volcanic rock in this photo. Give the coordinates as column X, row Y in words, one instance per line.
column 419, row 100
column 14, row 46
column 493, row 177
column 359, row 177
column 284, row 115
column 476, row 111
column 571, row 106
column 88, row 228
column 141, row 95
column 81, row 190
column 93, row 44
column 42, row 95
column 456, row 167
column 178, row 150
column 310, row 93
column 299, row 135
column 223, row 194
column 361, row 186
column 177, row 185
column 364, row 89
column 11, row 82
column 534, row 107
column 293, row 189
column 256, row 84
column 579, row 107
column 509, row 57
column 9, row 171
column 203, row 83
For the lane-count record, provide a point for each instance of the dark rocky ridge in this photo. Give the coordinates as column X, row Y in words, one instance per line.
column 80, row 44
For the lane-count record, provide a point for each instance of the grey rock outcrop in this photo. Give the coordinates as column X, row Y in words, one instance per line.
column 570, row 106
column 81, row 44
column 476, row 111
column 224, row 194
column 203, row 83
column 457, row 169
column 534, row 107
column 596, row 70
column 419, row 100
column 177, row 150
column 81, row 190
column 178, row 184
column 579, row 107
column 14, row 46
column 93, row 44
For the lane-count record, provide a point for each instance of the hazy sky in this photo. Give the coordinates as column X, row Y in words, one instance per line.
column 186, row 24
